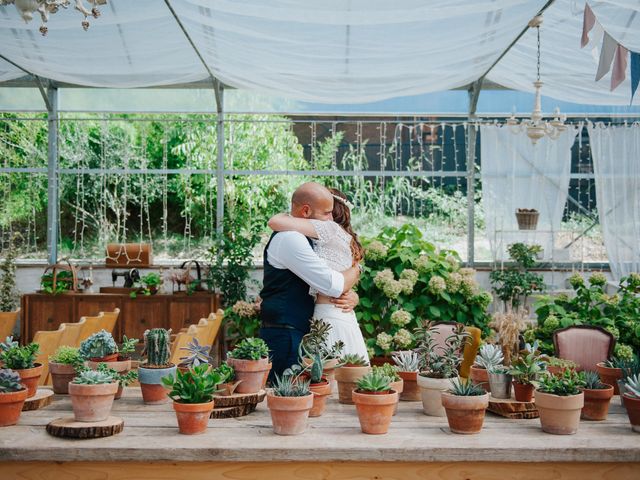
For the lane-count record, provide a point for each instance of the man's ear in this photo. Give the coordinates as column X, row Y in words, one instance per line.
column 306, row 211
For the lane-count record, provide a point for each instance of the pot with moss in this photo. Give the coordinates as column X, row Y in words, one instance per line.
column 465, row 404
column 289, row 402
column 192, row 394
column 375, row 402
column 22, row 359
column 489, row 356
column 250, row 361
column 408, row 365
column 92, row 394
column 559, row 401
column 597, row 397
column 150, row 373
column 352, row 368
column 99, row 347
column 12, row 396
column 64, row 366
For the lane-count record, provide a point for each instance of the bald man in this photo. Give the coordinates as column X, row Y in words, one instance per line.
column 290, row 268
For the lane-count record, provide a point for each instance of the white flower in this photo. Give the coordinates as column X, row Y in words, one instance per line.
column 410, row 275
column 437, row 285
column 392, row 289
column 423, row 264
column 382, row 278
column 454, row 281
column 375, row 251
column 403, row 338
column 384, row 341
column 400, row 318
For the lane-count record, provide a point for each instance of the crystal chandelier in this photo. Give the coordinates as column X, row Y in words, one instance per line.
column 27, row 8
column 536, row 128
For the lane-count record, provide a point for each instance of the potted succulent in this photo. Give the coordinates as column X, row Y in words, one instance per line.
column 559, row 401
column 611, row 371
column 192, row 394
column 500, row 381
column 408, row 363
column 289, row 402
column 489, row 356
column 196, row 355
column 632, row 401
column 440, row 365
column 375, row 401
column 122, row 364
column 629, row 369
column 100, row 347
column 148, row 285
column 92, row 395
column 397, row 384
column 525, row 371
column 316, row 342
column 250, row 361
column 352, row 368
column 150, row 373
column 22, row 360
column 557, row 366
column 228, row 382
column 64, row 365
column 124, row 379
column 465, row 404
column 12, row 396
column 597, row 396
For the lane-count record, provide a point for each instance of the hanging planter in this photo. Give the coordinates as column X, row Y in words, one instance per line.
column 527, row 218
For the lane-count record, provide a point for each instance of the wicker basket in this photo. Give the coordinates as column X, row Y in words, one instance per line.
column 527, row 218
column 55, row 270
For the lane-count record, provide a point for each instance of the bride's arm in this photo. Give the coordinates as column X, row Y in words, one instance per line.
column 283, row 222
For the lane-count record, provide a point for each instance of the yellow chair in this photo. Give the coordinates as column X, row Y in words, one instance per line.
column 8, row 322
column 71, row 334
column 90, row 325
column 182, row 339
column 109, row 320
column 49, row 341
column 470, row 350
column 215, row 322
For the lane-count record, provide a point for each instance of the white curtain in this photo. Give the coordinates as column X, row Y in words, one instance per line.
column 616, row 161
column 517, row 174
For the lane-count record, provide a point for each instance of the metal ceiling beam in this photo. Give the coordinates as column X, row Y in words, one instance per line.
column 37, row 79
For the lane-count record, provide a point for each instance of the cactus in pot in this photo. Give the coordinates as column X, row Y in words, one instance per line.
column 150, row 373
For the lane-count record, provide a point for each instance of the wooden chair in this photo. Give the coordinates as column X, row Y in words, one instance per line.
column 215, row 322
column 8, row 322
column 109, row 320
column 102, row 321
column 71, row 334
column 49, row 341
column 583, row 344
column 182, row 339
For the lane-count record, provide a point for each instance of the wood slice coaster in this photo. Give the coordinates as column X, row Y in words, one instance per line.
column 42, row 398
column 237, row 399
column 67, row 427
column 509, row 408
column 233, row 412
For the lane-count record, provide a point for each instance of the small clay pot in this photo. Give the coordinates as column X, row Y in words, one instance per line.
column 193, row 418
column 609, row 376
column 253, row 373
column 289, row 414
column 632, row 404
column 375, row 410
column 29, row 377
column 398, row 386
column 106, row 359
column 321, row 391
column 480, row 376
column 92, row 403
column 347, row 377
column 596, row 403
column 61, row 375
column 410, row 391
column 153, row 390
column 465, row 414
column 120, row 366
column 227, row 389
column 431, row 389
column 523, row 391
column 11, row 406
column 559, row 415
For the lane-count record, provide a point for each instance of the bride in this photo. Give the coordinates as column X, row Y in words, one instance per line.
column 337, row 244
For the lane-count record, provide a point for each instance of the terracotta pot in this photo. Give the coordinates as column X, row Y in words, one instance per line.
column 410, row 391
column 398, row 387
column 253, row 374
column 609, row 376
column 120, row 366
column 465, row 414
column 227, row 389
column 106, row 359
column 479, row 376
column 375, row 410
column 29, row 377
column 153, row 390
column 320, row 391
column 193, row 418
column 266, row 376
column 92, row 403
column 623, row 389
column 119, row 392
column 559, row 415
column 596, row 403
column 632, row 404
column 523, row 391
column 555, row 370
column 289, row 414
column 431, row 391
column 379, row 361
column 347, row 378
column 61, row 375
column 11, row 406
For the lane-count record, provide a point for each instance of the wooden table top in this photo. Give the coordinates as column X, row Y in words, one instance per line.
column 151, row 434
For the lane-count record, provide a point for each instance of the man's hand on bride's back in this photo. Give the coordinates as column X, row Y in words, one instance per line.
column 347, row 301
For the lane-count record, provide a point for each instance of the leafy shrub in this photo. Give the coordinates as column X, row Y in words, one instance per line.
column 242, row 320
column 250, row 349
column 68, row 356
column 19, row 358
column 514, row 284
column 196, row 385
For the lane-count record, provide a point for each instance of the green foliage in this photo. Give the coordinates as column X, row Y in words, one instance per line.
column 8, row 343
column 226, row 372
column 353, row 360
column 157, row 346
column 527, row 367
column 93, row 377
column 68, row 356
column 465, row 388
column 64, row 282
column 147, row 285
column 289, row 385
column 591, row 380
column 128, row 346
column 98, row 345
column 250, row 349
column 566, row 384
column 407, row 279
column 388, row 370
column 618, row 313
column 374, row 381
column 314, row 347
column 10, row 381
column 241, row 321
column 9, row 294
column 123, row 379
column 443, row 361
column 196, row 385
column 20, row 357
column 196, row 354
column 514, row 284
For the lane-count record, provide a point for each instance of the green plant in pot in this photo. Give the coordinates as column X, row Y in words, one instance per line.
column 148, row 285
column 525, row 370
column 250, row 361
column 22, row 359
column 192, row 394
column 228, row 382
column 124, row 379
column 397, row 384
column 375, row 402
column 351, row 368
column 559, row 400
column 64, row 366
column 489, row 356
column 611, row 372
column 12, row 396
column 127, row 347
column 99, row 347
column 513, row 285
column 465, row 404
column 632, row 400
column 408, row 366
column 289, row 402
column 63, row 283
column 150, row 373
column 597, row 396
column 92, row 394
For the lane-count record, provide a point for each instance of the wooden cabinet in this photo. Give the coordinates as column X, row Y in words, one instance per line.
column 47, row 312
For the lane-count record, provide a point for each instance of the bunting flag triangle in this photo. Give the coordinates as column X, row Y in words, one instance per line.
column 607, row 52
column 588, row 21
column 635, row 73
column 619, row 67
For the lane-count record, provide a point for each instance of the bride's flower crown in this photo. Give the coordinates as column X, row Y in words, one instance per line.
column 344, row 201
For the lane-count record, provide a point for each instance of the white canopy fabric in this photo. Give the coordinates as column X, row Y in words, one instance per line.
column 336, row 51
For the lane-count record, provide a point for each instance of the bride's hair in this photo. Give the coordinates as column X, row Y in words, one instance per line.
column 342, row 216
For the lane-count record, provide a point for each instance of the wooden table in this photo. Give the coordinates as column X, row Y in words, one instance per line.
column 333, row 447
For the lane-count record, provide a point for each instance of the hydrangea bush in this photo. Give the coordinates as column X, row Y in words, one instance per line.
column 407, row 280
column 618, row 313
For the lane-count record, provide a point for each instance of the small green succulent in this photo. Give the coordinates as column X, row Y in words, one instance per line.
column 632, row 386
column 196, row 354
column 465, row 389
column 353, row 360
column 564, row 385
column 68, row 356
column 93, row 377
column 389, row 370
column 20, row 358
column 10, row 381
column 289, row 385
column 489, row 355
column 98, row 345
column 157, row 346
column 591, row 380
column 124, row 379
column 226, row 371
column 406, row 361
column 374, row 381
column 250, row 349
column 196, row 385
column 128, row 346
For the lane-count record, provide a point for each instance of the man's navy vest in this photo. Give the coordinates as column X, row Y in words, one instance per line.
column 285, row 297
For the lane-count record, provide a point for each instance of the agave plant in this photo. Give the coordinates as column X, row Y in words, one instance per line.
column 289, row 385
column 353, row 360
column 374, row 381
column 632, row 385
column 465, row 389
column 591, row 380
column 489, row 356
column 407, row 361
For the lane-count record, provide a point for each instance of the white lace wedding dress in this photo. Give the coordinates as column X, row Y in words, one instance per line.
column 334, row 247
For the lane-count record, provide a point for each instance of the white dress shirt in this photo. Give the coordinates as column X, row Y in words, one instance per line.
column 291, row 251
